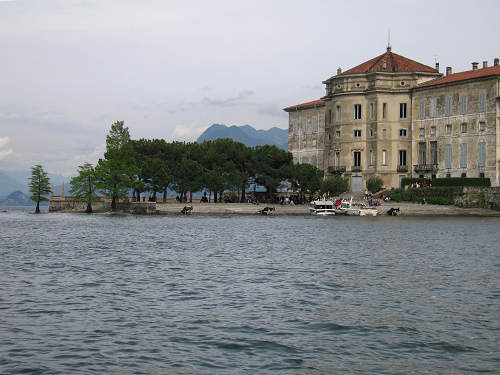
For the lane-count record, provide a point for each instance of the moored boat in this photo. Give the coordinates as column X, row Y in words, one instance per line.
column 322, row 207
column 351, row 208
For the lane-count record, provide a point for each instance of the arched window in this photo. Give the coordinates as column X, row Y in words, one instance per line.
column 304, row 160
column 313, row 161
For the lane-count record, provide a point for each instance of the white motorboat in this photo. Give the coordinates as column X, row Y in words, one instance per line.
column 351, row 208
column 322, row 207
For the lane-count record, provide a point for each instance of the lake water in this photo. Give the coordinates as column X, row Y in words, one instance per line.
column 116, row 294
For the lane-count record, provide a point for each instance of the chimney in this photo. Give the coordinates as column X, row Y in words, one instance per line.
column 448, row 70
column 339, row 70
column 437, row 66
column 485, row 64
column 474, row 65
column 495, row 62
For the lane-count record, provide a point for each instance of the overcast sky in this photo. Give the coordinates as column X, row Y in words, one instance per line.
column 170, row 69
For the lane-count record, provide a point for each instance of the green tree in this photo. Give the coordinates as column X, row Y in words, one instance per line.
column 374, row 184
column 334, row 185
column 271, row 166
column 305, row 178
column 118, row 172
column 84, row 186
column 39, row 185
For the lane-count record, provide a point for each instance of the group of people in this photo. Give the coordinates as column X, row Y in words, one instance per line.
column 417, row 185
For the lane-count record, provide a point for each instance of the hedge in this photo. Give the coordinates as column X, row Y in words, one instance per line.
column 448, row 181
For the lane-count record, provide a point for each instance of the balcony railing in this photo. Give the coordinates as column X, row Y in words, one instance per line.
column 424, row 168
column 356, row 168
column 336, row 170
column 402, row 168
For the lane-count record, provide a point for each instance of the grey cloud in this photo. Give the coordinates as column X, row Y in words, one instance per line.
column 234, row 100
column 272, row 110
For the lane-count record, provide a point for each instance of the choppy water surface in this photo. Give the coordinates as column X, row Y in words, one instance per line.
column 248, row 295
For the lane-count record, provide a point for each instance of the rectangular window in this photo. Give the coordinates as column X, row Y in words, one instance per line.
column 337, row 158
column 371, row 132
column 372, row 111
column 402, row 110
column 304, row 125
column 357, row 111
column 463, row 155
column 463, row 104
column 464, row 127
column 447, row 157
column 357, row 133
column 422, row 110
column 337, row 133
column 339, row 113
column 448, row 129
column 482, row 102
column 402, row 158
column 402, row 132
column 448, row 106
column 482, row 154
column 329, row 116
column 434, row 153
column 482, row 126
column 357, row 158
column 422, row 153
column 433, row 130
column 384, row 157
column 314, row 124
column 384, row 111
column 384, row 133
column 371, row 157
column 433, row 107
column 421, row 132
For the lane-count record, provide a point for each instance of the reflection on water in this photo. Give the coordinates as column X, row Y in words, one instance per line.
column 247, row 294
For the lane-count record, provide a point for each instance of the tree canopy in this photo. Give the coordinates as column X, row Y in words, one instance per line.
column 39, row 185
column 84, row 186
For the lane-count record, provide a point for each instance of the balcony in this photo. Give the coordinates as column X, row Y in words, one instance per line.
column 336, row 170
column 356, row 168
column 402, row 168
column 425, row 168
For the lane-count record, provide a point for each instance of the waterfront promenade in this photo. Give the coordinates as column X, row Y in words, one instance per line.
column 407, row 209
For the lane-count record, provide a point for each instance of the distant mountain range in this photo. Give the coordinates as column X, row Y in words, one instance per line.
column 12, row 181
column 247, row 134
column 17, row 198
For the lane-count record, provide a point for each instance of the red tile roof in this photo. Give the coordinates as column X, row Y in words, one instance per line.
column 462, row 76
column 314, row 103
column 393, row 63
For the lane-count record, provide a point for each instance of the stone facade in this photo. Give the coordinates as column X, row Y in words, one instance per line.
column 372, row 127
column 456, row 128
column 306, row 133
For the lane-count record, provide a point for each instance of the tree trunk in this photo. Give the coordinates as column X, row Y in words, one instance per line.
column 37, row 209
column 242, row 200
column 164, row 195
column 113, row 203
column 89, row 208
column 190, row 197
column 209, row 196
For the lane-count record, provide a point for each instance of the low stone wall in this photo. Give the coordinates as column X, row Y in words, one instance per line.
column 139, row 208
column 65, row 205
column 481, row 197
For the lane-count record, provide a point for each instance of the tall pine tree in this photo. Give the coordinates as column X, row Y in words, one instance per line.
column 39, row 184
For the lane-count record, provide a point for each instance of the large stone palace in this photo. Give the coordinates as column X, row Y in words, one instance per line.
column 393, row 117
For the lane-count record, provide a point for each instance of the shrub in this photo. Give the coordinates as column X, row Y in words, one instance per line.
column 374, row 184
column 440, row 200
column 334, row 185
column 448, row 181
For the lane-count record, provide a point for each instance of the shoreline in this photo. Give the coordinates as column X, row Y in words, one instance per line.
column 406, row 209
